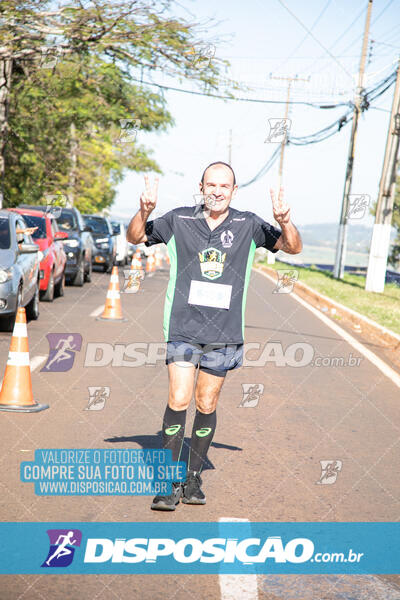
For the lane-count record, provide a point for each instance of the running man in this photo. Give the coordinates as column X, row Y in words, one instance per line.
column 211, row 248
column 62, row 549
column 62, row 353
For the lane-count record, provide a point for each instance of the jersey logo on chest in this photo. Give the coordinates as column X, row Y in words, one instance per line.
column 227, row 238
column 212, row 263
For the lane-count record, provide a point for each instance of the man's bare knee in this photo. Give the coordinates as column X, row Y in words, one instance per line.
column 178, row 400
column 206, row 401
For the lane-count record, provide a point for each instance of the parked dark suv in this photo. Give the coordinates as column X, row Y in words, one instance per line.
column 78, row 246
column 103, row 235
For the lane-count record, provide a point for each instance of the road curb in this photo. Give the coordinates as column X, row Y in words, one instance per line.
column 359, row 322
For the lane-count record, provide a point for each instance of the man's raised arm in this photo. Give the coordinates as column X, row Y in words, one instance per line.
column 290, row 240
column 136, row 231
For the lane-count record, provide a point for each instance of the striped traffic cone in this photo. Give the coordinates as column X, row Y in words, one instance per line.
column 150, row 264
column 16, row 391
column 158, row 260
column 136, row 267
column 112, row 309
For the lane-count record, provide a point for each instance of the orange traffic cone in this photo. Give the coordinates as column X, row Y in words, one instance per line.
column 16, row 392
column 167, row 260
column 112, row 309
column 150, row 264
column 158, row 260
column 136, row 267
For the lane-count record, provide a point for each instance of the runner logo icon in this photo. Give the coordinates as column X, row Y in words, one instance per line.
column 212, row 263
column 329, row 471
column 97, row 397
column 61, row 551
column 62, row 351
column 251, row 394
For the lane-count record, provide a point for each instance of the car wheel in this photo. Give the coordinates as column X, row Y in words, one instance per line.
column 32, row 309
column 88, row 275
column 80, row 276
column 59, row 287
column 7, row 323
column 109, row 268
column 48, row 295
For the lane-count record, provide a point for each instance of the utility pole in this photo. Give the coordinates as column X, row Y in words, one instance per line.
column 342, row 234
column 380, row 243
column 230, row 148
column 290, row 80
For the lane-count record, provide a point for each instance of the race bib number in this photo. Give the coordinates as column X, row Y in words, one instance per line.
column 216, row 295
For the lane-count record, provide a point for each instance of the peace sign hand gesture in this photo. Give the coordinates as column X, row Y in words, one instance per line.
column 280, row 209
column 148, row 199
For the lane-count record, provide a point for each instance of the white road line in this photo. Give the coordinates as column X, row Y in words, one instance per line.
column 237, row 587
column 36, row 362
column 97, row 311
column 373, row 358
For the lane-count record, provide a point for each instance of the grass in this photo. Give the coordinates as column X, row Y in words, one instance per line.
column 383, row 308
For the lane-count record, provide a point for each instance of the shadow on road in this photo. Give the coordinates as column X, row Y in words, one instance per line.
column 154, row 441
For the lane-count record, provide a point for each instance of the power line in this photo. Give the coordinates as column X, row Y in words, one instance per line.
column 336, row 126
column 373, row 23
column 347, row 28
column 264, row 170
column 329, row 130
column 220, row 97
column 305, row 37
column 314, row 38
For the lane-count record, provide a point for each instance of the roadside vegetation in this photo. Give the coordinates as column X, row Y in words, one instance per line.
column 382, row 308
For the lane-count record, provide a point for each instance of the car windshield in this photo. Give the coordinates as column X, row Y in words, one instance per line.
column 38, row 222
column 66, row 221
column 4, row 233
column 98, row 224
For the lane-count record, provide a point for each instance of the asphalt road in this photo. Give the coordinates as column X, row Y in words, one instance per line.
column 264, row 462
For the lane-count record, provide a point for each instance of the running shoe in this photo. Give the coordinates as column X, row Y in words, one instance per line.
column 168, row 502
column 192, row 493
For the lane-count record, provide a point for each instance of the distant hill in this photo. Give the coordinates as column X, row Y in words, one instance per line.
column 325, row 235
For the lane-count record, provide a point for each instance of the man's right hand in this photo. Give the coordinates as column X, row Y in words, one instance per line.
column 148, row 199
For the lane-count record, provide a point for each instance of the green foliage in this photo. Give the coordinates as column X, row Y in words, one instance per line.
column 93, row 96
column 394, row 256
column 64, row 131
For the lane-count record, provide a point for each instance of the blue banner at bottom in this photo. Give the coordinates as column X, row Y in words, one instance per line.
column 205, row 548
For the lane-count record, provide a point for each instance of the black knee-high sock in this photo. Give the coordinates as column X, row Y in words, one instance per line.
column 173, row 431
column 202, row 435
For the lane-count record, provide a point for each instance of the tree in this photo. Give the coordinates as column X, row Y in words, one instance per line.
column 134, row 35
column 394, row 255
column 74, row 111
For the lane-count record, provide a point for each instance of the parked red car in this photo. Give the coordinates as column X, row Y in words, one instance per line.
column 53, row 260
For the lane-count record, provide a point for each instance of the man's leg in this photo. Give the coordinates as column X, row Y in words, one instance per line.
column 207, row 392
column 181, row 383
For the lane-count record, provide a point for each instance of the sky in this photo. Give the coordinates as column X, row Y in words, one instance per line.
column 264, row 38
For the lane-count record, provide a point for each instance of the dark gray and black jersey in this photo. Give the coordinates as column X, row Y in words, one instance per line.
column 210, row 272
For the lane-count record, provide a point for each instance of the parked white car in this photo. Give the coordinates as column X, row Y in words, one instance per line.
column 120, row 242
